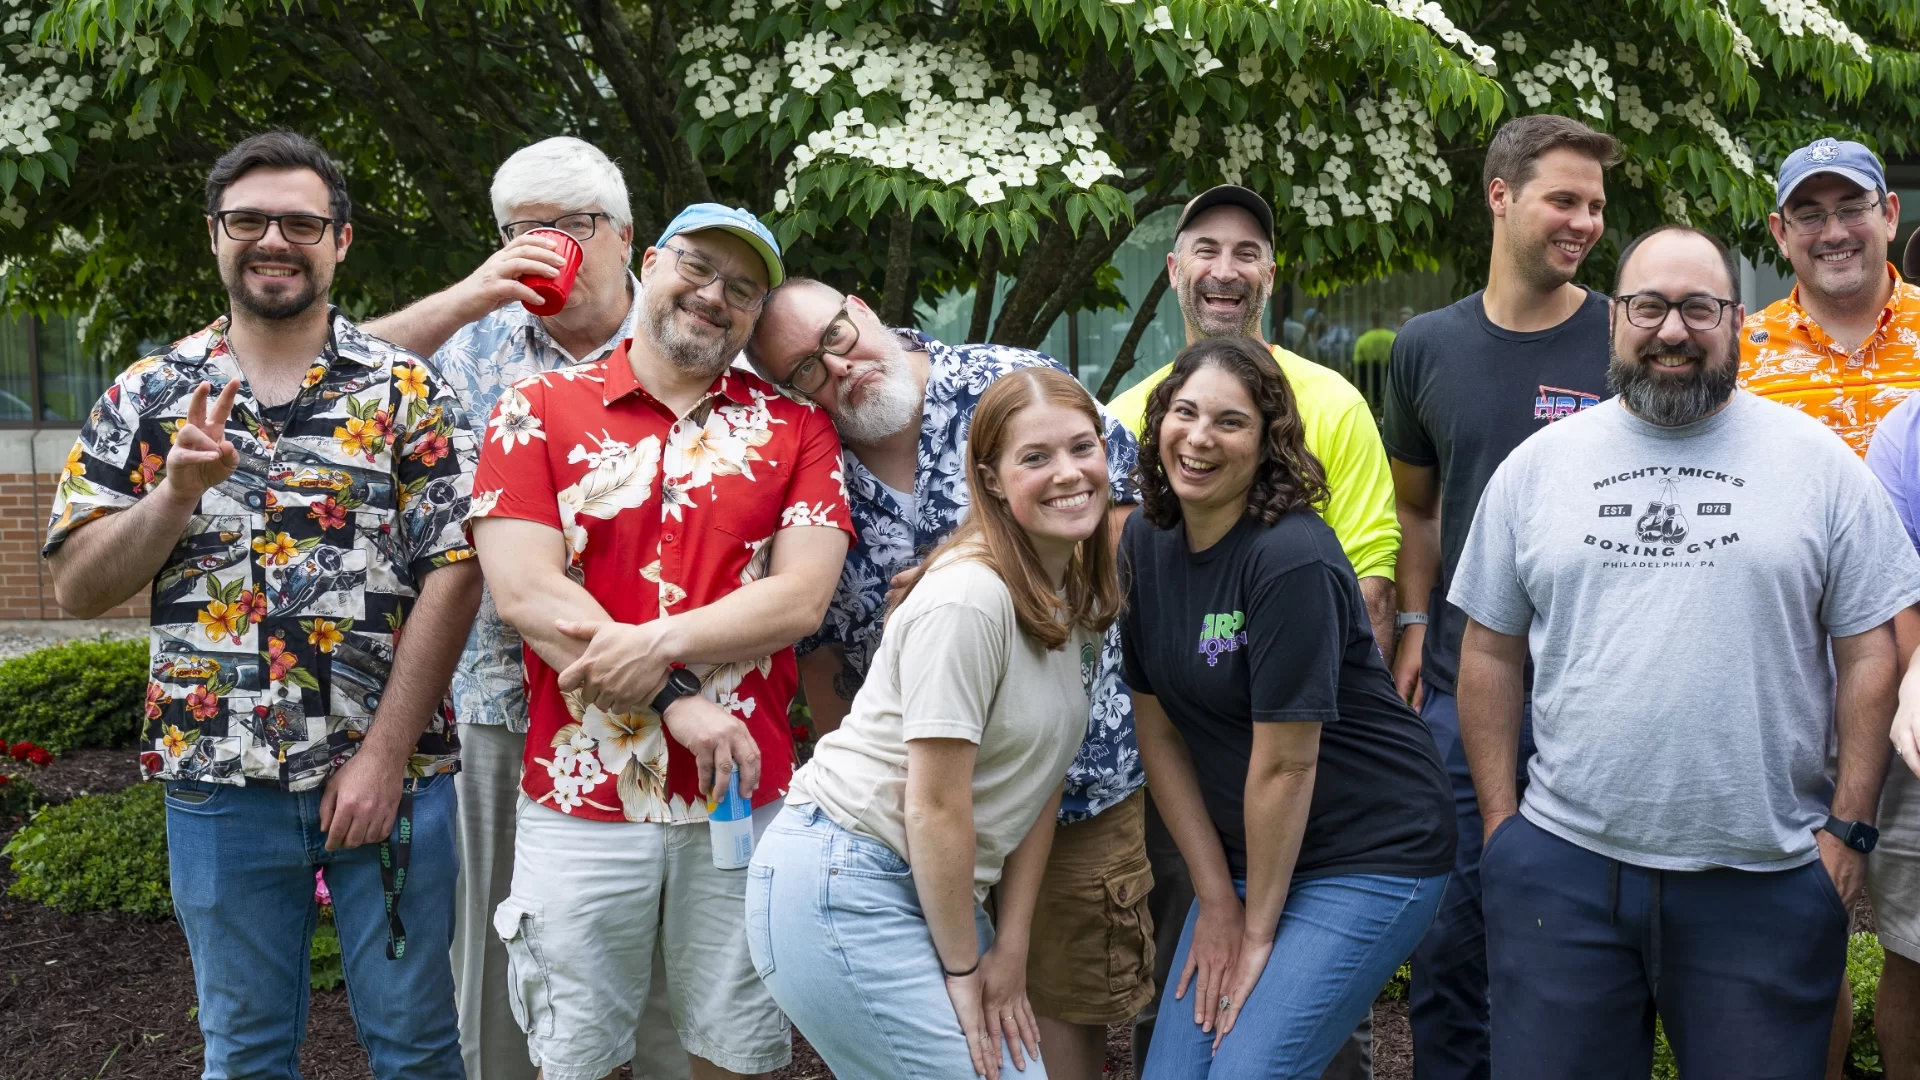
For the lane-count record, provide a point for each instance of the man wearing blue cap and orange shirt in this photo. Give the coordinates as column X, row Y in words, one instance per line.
column 660, row 528
column 1844, row 347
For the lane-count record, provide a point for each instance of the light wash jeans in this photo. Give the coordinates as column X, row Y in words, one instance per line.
column 242, row 862
column 835, row 929
column 1341, row 938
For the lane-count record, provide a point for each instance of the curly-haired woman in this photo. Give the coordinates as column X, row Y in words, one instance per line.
column 1305, row 796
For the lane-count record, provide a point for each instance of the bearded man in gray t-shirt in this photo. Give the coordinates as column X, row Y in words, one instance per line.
column 1706, row 580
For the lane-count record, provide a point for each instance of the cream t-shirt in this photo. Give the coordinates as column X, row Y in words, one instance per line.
column 953, row 664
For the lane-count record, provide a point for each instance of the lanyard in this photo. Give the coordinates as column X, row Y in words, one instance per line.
column 395, row 853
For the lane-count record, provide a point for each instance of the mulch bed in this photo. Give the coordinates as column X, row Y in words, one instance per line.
column 110, row 997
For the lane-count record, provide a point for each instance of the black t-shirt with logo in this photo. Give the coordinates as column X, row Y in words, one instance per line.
column 1268, row 625
column 1461, row 394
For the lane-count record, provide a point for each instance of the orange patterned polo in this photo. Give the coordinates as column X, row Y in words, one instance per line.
column 1786, row 356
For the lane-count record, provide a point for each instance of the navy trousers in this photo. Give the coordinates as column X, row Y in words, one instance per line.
column 1742, row 967
column 1447, row 1003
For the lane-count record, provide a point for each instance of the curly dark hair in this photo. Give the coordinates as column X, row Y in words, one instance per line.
column 1288, row 478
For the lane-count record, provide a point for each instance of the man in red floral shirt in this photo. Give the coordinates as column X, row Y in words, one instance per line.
column 654, row 514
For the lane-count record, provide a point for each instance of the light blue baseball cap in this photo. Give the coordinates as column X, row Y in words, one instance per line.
column 1836, row 156
column 707, row 215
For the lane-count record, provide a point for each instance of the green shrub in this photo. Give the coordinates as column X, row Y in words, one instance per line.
column 80, row 694
column 324, row 970
column 1864, row 960
column 97, row 853
column 1398, row 986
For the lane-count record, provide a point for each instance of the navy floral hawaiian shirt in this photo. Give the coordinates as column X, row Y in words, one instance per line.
column 892, row 537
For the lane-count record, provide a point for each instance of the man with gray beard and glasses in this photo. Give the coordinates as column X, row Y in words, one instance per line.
column 1706, row 581
column 903, row 403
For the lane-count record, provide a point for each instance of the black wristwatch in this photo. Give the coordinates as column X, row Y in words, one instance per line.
column 680, row 683
column 1857, row 835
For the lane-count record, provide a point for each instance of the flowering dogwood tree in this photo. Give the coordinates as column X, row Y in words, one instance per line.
column 907, row 146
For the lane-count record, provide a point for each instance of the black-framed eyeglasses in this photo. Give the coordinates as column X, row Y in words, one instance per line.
column 1649, row 310
column 1851, row 216
column 249, row 225
column 810, row 374
column 744, row 294
column 578, row 226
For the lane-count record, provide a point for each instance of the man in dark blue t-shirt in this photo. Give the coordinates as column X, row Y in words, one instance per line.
column 1467, row 384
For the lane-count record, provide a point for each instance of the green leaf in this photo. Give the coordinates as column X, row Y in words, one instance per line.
column 1193, row 97
column 732, row 139
column 32, row 171
column 9, row 172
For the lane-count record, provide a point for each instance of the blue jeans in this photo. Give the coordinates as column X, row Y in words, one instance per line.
column 1743, row 966
column 243, row 860
column 836, row 932
column 1447, row 1003
column 1340, row 939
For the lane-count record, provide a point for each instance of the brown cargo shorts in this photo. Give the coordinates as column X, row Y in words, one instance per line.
column 1091, row 959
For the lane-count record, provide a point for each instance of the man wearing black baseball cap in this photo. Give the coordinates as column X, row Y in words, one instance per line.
column 1222, row 269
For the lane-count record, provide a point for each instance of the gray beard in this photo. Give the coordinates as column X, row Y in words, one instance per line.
column 1666, row 401
column 890, row 406
column 690, row 355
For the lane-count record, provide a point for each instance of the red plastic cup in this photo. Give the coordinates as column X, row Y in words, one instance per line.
column 555, row 290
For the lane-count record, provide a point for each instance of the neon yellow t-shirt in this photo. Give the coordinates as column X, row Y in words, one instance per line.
column 1341, row 433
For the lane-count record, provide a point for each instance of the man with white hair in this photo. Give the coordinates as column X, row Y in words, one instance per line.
column 483, row 339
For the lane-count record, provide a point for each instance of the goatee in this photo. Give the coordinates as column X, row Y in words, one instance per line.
column 273, row 306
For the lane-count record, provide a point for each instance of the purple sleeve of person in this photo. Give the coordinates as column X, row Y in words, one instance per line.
column 1891, row 456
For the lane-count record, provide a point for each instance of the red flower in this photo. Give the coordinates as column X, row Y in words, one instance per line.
column 151, row 762
column 254, row 603
column 432, row 449
column 279, row 660
column 801, row 733
column 156, row 700
column 383, row 423
column 19, row 751
column 204, row 704
column 330, row 514
column 39, row 756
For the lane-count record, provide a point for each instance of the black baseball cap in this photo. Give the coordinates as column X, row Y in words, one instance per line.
column 1228, row 195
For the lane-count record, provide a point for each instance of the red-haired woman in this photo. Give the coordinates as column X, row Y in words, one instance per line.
column 864, row 899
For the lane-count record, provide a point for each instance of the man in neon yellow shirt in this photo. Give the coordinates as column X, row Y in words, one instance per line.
column 1221, row 269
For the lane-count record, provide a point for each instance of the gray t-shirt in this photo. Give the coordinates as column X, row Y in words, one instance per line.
column 1677, row 587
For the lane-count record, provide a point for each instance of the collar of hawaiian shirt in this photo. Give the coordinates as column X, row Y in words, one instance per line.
column 539, row 336
column 344, row 340
column 1902, row 305
column 620, row 381
column 860, row 481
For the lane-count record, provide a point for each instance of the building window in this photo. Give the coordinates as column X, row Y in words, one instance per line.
column 46, row 378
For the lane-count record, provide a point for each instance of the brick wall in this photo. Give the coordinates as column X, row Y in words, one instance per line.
column 29, row 470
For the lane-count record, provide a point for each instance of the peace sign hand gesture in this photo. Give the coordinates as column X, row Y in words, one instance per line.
column 202, row 456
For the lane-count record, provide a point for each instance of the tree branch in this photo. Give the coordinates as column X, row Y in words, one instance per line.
column 896, row 301
column 1123, row 360
column 410, row 108
column 987, row 283
column 649, row 103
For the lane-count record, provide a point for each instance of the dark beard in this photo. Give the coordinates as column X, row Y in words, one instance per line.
column 284, row 306
column 1671, row 400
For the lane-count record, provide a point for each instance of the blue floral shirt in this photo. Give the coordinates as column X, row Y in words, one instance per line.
column 893, row 537
column 478, row 363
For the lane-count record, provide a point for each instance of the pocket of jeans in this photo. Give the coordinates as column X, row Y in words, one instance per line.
column 760, row 918
column 862, row 856
column 518, row 923
column 190, row 795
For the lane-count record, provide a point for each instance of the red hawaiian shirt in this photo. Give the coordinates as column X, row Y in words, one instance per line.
column 660, row 516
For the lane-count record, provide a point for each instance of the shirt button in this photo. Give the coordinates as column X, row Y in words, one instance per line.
column 668, row 538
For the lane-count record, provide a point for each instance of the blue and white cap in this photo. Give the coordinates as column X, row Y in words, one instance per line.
column 1836, row 156
column 707, row 215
